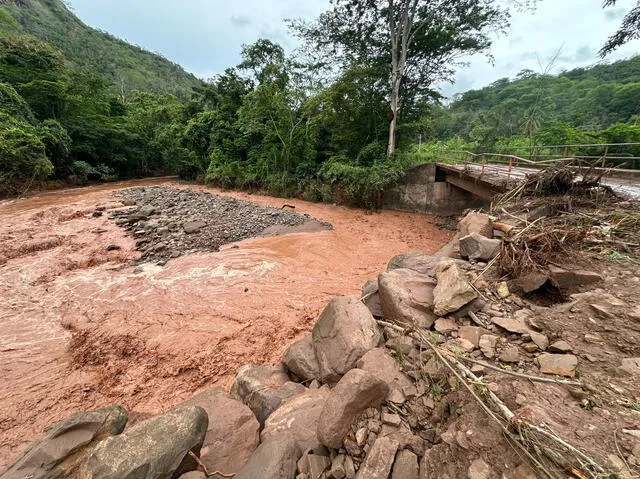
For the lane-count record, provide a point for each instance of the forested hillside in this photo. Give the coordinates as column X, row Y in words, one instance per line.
column 125, row 67
column 582, row 103
column 332, row 122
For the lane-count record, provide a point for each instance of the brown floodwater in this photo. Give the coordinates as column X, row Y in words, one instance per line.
column 81, row 329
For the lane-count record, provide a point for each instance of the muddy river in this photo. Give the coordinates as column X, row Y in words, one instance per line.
column 81, row 329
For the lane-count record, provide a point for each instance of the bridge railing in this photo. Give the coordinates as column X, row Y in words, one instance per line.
column 602, row 155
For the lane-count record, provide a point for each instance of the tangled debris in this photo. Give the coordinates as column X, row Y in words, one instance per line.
column 560, row 211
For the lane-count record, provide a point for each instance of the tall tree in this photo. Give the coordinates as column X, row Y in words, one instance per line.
column 629, row 29
column 418, row 41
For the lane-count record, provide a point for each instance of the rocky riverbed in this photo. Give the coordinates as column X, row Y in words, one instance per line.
column 169, row 222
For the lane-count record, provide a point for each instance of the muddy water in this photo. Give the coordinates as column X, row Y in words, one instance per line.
column 80, row 329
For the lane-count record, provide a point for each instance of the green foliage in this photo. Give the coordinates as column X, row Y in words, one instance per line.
column 22, row 155
column 14, row 105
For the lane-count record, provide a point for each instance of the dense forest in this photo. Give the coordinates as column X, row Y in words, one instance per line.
column 327, row 123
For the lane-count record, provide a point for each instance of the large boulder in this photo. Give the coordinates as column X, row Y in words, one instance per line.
column 152, row 449
column 67, row 444
column 453, row 290
column 387, row 369
column 276, row 458
column 407, row 296
column 298, row 417
column 263, row 388
column 476, row 223
column 379, row 460
column 415, row 261
column 233, row 432
column 372, row 298
column 479, row 248
column 300, row 359
column 356, row 391
column 344, row 332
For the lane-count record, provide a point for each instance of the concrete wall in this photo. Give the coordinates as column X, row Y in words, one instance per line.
column 419, row 191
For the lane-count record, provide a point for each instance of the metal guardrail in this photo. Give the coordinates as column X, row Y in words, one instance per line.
column 538, row 156
column 613, row 163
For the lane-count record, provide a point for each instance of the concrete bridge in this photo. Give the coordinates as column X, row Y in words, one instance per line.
column 448, row 189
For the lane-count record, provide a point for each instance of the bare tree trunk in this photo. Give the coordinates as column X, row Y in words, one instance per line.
column 401, row 19
column 394, row 106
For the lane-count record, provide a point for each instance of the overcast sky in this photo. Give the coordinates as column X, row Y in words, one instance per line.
column 205, row 36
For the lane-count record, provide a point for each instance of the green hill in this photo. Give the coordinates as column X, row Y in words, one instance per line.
column 125, row 67
column 587, row 99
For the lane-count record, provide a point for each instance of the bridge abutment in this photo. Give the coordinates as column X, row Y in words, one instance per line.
column 425, row 189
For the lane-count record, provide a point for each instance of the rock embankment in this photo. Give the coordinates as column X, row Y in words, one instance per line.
column 170, row 222
column 363, row 398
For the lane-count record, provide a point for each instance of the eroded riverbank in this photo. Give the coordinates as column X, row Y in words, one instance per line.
column 149, row 339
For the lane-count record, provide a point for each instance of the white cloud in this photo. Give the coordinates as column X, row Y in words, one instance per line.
column 205, row 36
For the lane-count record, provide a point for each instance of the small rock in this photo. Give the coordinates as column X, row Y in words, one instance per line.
column 415, row 261
column 406, row 466
column 541, row 340
column 629, row 367
column 391, row 419
column 561, row 347
column 476, row 223
column 530, row 347
column 445, row 325
column 488, row 344
column 602, row 311
column 503, row 290
column 560, row 364
column 372, row 298
column 379, row 460
column 356, row 391
column 567, row 280
column 510, row 354
column 516, row 326
column 113, row 247
column 523, row 471
column 192, row 227
column 471, row 334
column 263, row 388
column 478, row 247
column 479, row 470
column 387, row 369
column 401, row 344
column 592, row 338
column 338, row 469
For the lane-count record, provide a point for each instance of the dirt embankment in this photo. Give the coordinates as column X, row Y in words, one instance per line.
column 81, row 331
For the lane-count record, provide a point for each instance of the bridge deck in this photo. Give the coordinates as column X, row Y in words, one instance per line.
column 499, row 178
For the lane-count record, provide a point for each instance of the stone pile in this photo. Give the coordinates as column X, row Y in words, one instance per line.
column 350, row 400
column 169, row 222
